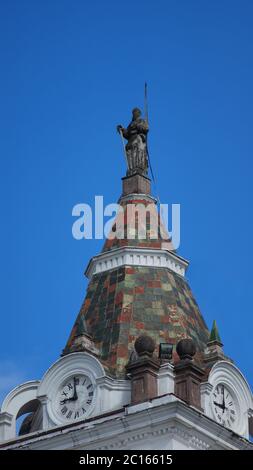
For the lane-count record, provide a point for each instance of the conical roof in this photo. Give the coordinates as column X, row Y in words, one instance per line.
column 137, row 286
column 214, row 335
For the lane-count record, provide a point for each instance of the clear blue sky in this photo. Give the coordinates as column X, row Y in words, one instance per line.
column 71, row 71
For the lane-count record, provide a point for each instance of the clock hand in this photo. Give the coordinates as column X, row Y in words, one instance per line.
column 218, row 404
column 75, row 396
column 64, row 401
column 223, row 402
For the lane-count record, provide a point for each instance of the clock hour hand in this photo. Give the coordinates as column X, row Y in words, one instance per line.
column 73, row 398
column 218, row 404
column 62, row 402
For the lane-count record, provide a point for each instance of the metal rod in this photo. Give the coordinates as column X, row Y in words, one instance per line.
column 124, row 148
column 146, row 101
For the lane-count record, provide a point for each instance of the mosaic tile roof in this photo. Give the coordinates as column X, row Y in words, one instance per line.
column 153, row 238
column 125, row 302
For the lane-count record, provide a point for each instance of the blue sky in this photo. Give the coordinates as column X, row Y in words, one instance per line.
column 71, row 71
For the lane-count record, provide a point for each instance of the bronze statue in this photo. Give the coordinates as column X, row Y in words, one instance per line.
column 136, row 147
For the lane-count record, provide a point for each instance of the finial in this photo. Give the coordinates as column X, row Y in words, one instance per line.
column 214, row 351
column 144, row 346
column 186, row 349
column 214, row 335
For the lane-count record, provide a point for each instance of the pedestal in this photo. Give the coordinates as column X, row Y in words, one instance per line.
column 136, row 184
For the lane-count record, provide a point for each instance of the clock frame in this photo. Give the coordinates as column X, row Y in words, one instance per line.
column 75, row 397
column 57, row 378
column 225, row 406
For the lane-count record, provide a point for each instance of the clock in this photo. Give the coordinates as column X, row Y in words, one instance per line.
column 75, row 397
column 225, row 406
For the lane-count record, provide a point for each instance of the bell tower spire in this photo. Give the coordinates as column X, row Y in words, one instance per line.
column 137, row 283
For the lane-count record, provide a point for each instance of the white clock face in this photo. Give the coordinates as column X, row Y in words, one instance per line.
column 75, row 397
column 224, row 406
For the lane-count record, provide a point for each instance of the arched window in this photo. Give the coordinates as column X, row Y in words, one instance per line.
column 26, row 418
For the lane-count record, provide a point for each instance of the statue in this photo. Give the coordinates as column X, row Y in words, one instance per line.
column 136, row 147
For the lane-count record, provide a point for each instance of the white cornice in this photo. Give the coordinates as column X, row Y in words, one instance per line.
column 132, row 256
column 126, row 430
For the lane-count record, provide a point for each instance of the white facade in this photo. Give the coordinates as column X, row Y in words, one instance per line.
column 165, row 422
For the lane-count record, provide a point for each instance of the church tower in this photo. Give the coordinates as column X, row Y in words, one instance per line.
column 140, row 369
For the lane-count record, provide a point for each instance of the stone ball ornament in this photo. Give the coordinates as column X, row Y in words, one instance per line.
column 186, row 348
column 144, row 345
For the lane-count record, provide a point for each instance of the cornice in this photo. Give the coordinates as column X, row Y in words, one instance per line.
column 136, row 256
column 121, row 430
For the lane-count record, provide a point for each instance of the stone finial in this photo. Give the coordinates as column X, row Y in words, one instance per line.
column 186, row 349
column 144, row 346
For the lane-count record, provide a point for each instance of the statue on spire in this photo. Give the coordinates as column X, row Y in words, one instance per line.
column 136, row 147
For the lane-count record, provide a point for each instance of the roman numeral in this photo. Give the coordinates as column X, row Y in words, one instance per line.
column 90, row 394
column 83, row 410
column 64, row 393
column 89, row 401
column 70, row 386
column 68, row 416
column 64, row 410
column 230, row 403
column 76, row 414
column 84, row 382
column 89, row 386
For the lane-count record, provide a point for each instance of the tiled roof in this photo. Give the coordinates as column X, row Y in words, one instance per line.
column 131, row 221
column 124, row 303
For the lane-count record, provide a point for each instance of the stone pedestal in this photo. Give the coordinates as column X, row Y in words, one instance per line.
column 214, row 353
column 82, row 342
column 143, row 374
column 136, row 184
column 188, row 377
column 7, row 426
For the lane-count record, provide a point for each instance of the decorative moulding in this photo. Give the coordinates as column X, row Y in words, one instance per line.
column 224, row 372
column 131, row 256
column 181, row 426
column 67, row 366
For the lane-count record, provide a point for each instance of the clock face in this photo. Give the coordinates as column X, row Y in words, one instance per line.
column 224, row 406
column 75, row 397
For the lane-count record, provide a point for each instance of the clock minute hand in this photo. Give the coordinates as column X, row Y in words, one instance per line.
column 223, row 401
column 75, row 396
